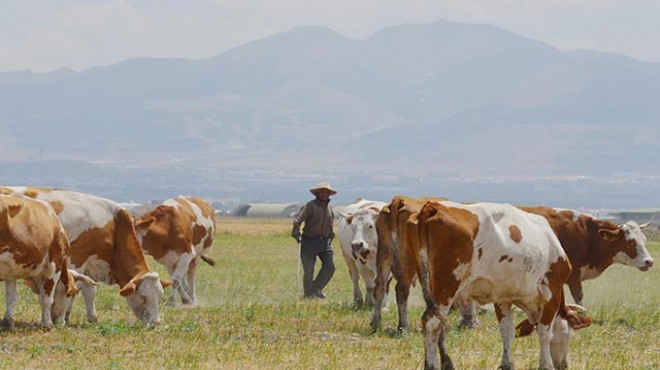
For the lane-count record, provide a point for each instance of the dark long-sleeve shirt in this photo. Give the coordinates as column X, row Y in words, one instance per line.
column 317, row 217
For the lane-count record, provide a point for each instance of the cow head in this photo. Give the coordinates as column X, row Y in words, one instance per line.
column 363, row 228
column 628, row 245
column 143, row 294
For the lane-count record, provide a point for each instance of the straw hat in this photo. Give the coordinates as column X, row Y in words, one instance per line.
column 322, row 185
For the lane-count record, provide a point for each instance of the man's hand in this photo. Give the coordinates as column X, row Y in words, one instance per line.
column 296, row 236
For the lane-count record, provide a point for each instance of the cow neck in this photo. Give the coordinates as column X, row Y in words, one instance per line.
column 128, row 259
column 597, row 256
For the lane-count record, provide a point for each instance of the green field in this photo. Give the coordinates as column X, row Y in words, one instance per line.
column 252, row 316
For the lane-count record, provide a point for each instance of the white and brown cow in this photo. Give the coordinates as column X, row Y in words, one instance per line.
column 490, row 253
column 593, row 245
column 398, row 255
column 104, row 246
column 33, row 246
column 359, row 242
column 177, row 233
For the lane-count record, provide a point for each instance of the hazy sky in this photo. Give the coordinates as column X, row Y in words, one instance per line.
column 45, row 35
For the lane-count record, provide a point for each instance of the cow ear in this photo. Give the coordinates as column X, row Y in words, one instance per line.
column 166, row 282
column 375, row 210
column 609, row 235
column 14, row 209
column 524, row 329
column 128, row 289
column 347, row 216
column 83, row 278
column 144, row 223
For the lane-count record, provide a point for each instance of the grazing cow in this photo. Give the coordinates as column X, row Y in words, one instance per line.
column 398, row 254
column 490, row 253
column 104, row 246
column 359, row 243
column 177, row 233
column 33, row 247
column 593, row 245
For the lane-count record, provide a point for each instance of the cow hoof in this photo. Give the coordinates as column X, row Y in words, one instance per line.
column 6, row 324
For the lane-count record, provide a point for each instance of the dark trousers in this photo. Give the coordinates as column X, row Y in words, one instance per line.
column 309, row 250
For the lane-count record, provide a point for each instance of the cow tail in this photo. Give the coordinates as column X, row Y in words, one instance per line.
column 424, row 266
column 208, row 260
column 67, row 279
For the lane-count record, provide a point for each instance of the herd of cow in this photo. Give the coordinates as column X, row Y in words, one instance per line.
column 477, row 253
column 56, row 240
column 463, row 254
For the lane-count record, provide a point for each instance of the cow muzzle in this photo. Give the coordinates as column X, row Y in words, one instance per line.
column 358, row 247
column 647, row 265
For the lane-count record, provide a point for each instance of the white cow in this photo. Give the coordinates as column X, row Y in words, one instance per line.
column 359, row 241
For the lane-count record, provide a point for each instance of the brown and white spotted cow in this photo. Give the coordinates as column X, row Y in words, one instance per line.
column 177, row 233
column 593, row 245
column 33, row 246
column 398, row 255
column 359, row 244
column 491, row 253
column 104, row 246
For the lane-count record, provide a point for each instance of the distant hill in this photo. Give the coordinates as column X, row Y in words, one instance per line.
column 436, row 98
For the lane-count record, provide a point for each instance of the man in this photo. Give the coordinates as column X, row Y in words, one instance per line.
column 316, row 240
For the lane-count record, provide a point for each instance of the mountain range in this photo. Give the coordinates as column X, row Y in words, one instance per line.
column 440, row 100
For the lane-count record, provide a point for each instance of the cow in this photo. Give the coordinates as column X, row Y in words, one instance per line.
column 593, row 245
column 490, row 253
column 33, row 246
column 104, row 247
column 359, row 244
column 177, row 233
column 398, row 254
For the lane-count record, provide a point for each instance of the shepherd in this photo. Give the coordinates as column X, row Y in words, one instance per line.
column 316, row 240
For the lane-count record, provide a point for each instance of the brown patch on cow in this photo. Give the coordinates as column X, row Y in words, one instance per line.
column 364, row 255
column 199, row 232
column 57, row 206
column 98, row 241
column 555, row 277
column 515, row 234
column 449, row 234
column 481, row 253
column 48, row 286
column 503, row 258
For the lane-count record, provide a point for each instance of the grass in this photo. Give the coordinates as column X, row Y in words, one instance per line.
column 252, row 316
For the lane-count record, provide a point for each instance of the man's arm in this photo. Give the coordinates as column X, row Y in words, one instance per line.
column 297, row 221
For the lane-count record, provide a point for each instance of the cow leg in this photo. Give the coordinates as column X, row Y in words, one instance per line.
column 402, row 292
column 544, row 330
column 507, row 332
column 58, row 311
column 88, row 292
column 575, row 286
column 11, row 298
column 434, row 329
column 191, row 284
column 381, row 283
column 355, row 279
column 469, row 314
column 559, row 343
column 369, row 284
column 46, row 294
column 179, row 271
